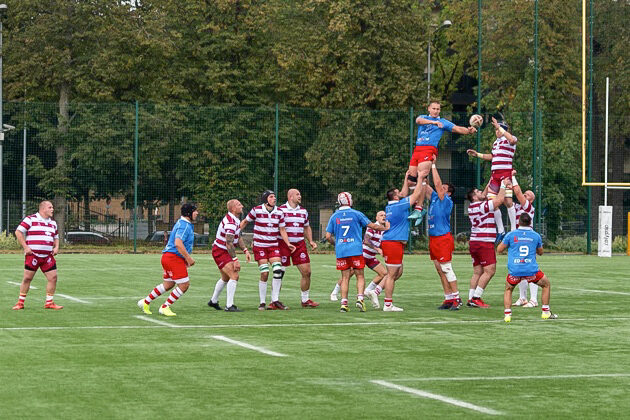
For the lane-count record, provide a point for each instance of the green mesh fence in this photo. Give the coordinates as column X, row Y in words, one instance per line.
column 86, row 164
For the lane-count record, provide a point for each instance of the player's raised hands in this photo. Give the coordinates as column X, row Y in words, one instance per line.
column 472, row 130
column 513, row 172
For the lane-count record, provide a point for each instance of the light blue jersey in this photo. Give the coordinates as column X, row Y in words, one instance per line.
column 183, row 230
column 440, row 215
column 522, row 244
column 396, row 214
column 347, row 224
column 430, row 134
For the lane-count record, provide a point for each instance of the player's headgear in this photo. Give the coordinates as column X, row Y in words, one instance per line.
column 188, row 209
column 264, row 196
column 504, row 126
column 344, row 199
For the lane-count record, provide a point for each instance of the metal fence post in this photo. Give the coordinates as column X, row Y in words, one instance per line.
column 135, row 183
column 411, row 144
column 275, row 164
column 479, row 45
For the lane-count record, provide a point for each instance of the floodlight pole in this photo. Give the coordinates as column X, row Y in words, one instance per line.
column 3, row 8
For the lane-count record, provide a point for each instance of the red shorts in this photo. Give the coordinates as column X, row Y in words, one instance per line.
column 221, row 257
column 514, row 280
column 299, row 256
column 346, row 263
column 422, row 154
column 371, row 262
column 497, row 177
column 174, row 267
column 441, row 247
column 265, row 252
column 482, row 253
column 393, row 252
column 33, row 262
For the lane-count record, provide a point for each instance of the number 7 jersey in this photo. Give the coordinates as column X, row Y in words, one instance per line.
column 347, row 224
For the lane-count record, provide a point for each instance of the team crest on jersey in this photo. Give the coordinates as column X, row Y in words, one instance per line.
column 338, row 221
column 516, row 239
column 296, row 224
column 270, row 224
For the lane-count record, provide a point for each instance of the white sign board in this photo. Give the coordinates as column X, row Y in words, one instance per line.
column 604, row 238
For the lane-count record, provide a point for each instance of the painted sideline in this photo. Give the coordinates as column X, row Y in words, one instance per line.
column 247, row 346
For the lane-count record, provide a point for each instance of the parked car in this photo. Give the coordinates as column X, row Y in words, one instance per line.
column 84, row 237
column 201, row 240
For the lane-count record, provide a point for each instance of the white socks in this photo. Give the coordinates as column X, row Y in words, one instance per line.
column 512, row 217
column 498, row 219
column 276, row 284
column 522, row 290
column 305, row 296
column 231, row 289
column 262, row 291
column 533, row 292
column 218, row 288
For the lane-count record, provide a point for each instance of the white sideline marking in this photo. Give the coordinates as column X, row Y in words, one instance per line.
column 595, row 291
column 442, row 398
column 510, row 378
column 157, row 321
column 73, row 298
column 247, row 346
column 301, row 325
column 19, row 284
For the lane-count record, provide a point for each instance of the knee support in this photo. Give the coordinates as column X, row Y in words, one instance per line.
column 264, row 268
column 278, row 270
column 447, row 269
column 508, row 193
column 412, row 178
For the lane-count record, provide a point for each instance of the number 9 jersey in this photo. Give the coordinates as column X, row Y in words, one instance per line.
column 522, row 244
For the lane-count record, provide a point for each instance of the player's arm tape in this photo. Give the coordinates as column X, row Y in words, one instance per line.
column 479, row 155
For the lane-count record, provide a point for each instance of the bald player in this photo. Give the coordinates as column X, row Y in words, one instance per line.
column 224, row 253
column 39, row 238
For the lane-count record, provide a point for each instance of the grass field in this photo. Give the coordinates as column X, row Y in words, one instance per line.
column 101, row 358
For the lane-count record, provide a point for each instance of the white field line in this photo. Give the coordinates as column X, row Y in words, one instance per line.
column 302, row 325
column 511, row 378
column 157, row 321
column 441, row 398
column 73, row 298
column 247, row 346
column 19, row 284
column 595, row 291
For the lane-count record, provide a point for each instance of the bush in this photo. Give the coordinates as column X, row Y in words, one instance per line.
column 8, row 241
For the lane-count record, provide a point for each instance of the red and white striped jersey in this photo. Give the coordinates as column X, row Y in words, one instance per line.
column 267, row 225
column 483, row 227
column 527, row 208
column 230, row 225
column 502, row 154
column 40, row 234
column 295, row 220
column 374, row 238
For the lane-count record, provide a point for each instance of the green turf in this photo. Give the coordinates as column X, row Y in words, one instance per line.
column 98, row 360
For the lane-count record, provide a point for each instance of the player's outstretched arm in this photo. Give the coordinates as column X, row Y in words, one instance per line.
column 378, row 227
column 498, row 200
column 437, row 181
column 404, row 191
column 330, row 238
column 424, row 121
column 501, row 248
column 417, row 193
column 516, row 189
column 513, row 140
column 484, row 156
column 463, row 130
column 243, row 224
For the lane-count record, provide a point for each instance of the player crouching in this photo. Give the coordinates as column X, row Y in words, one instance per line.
column 523, row 244
column 175, row 261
